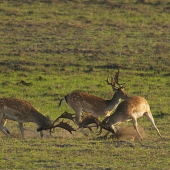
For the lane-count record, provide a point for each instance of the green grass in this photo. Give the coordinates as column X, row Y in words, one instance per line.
column 62, row 46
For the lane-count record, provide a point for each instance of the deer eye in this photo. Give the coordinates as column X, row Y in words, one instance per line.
column 106, row 126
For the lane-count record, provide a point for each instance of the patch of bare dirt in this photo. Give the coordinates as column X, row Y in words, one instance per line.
column 129, row 132
column 31, row 132
column 124, row 132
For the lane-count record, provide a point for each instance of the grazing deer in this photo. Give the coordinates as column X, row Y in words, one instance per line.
column 99, row 107
column 22, row 111
column 130, row 109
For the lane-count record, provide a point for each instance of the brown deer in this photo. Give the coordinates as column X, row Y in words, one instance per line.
column 99, row 107
column 22, row 111
column 130, row 109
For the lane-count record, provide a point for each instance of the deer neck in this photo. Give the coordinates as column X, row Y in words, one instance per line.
column 112, row 119
column 113, row 103
column 39, row 119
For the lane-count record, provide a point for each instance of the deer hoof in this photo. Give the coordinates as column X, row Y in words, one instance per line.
column 7, row 131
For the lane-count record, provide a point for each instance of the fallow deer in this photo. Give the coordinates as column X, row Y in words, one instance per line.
column 22, row 111
column 130, row 109
column 99, row 107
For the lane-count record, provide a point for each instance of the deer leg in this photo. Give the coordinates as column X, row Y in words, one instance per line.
column 4, row 130
column 114, row 131
column 77, row 120
column 78, row 116
column 105, row 136
column 135, row 124
column 41, row 133
column 89, row 127
column 21, row 129
column 150, row 118
column 113, row 128
column 82, row 131
column 2, row 124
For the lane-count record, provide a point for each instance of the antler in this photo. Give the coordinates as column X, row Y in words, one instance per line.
column 65, row 115
column 112, row 83
column 89, row 119
column 86, row 120
column 116, row 77
column 63, row 125
column 115, row 80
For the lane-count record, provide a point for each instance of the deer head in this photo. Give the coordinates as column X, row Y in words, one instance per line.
column 105, row 126
column 46, row 125
column 89, row 119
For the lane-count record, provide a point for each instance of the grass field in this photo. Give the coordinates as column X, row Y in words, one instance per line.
column 49, row 48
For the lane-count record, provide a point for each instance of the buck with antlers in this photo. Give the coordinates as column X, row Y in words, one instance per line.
column 22, row 111
column 99, row 107
column 130, row 109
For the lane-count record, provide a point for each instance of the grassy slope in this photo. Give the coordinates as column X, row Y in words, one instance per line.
column 61, row 41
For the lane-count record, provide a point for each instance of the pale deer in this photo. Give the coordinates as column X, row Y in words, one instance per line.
column 22, row 111
column 130, row 109
column 99, row 107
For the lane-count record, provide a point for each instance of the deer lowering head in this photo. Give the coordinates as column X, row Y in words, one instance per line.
column 99, row 107
column 22, row 111
column 130, row 109
column 89, row 119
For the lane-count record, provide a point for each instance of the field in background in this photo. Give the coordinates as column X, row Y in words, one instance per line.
column 49, row 48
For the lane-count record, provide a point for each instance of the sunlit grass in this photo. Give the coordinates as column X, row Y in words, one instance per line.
column 50, row 48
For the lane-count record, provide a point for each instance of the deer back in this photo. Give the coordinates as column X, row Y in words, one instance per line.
column 20, row 110
column 132, row 106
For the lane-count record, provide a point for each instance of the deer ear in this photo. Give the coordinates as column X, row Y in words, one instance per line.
column 48, row 117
